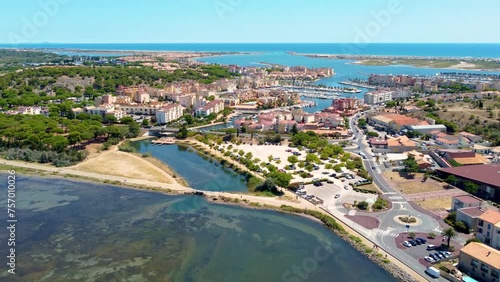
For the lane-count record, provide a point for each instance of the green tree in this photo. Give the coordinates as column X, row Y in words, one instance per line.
column 312, row 158
column 362, row 122
column 268, row 185
column 471, row 187
column 183, row 133
column 449, row 233
column 145, row 122
column 293, row 159
column 294, row 130
column 109, row 118
column 452, row 180
column 363, row 205
column 372, row 134
column 411, row 166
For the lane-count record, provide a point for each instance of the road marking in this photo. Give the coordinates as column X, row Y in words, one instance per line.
column 385, row 232
column 396, row 198
column 400, row 202
column 437, row 229
column 390, row 193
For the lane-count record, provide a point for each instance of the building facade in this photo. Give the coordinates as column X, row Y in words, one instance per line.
column 169, row 113
column 480, row 261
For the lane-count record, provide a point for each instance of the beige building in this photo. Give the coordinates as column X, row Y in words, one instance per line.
column 488, row 228
column 480, row 262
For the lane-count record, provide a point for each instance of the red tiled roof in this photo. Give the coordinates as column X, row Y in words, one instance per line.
column 467, row 199
column 472, row 211
column 488, row 174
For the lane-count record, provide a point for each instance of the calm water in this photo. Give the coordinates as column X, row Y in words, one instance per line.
column 71, row 231
column 200, row 172
column 407, row 49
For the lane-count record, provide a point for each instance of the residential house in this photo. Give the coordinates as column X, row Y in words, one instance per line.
column 470, row 216
column 488, row 228
column 465, row 201
column 480, row 261
column 212, row 107
column 400, row 144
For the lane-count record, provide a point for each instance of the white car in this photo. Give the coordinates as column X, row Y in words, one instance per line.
column 407, row 244
column 429, row 259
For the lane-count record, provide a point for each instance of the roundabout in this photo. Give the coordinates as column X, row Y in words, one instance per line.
column 407, row 220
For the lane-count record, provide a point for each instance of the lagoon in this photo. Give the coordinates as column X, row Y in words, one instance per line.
column 76, row 231
column 201, row 172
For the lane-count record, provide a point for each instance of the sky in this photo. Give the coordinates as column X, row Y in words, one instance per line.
column 246, row 21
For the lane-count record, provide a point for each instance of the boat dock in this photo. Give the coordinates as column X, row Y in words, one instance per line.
column 350, row 83
column 164, row 141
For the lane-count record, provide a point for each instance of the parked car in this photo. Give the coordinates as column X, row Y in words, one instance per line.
column 407, row 244
column 317, row 184
column 346, row 187
column 337, row 196
column 412, row 242
column 308, row 197
column 447, row 254
column 439, row 255
column 429, row 259
column 418, row 242
column 422, row 240
column 431, row 247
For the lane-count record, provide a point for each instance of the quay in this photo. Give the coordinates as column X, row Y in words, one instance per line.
column 357, row 85
column 164, row 141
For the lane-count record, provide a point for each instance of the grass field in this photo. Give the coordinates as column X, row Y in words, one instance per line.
column 436, row 204
column 415, row 185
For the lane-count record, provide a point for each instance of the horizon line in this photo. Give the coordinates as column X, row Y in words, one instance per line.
column 27, row 43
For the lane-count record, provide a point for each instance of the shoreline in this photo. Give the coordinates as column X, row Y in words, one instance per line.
column 454, row 63
column 349, row 235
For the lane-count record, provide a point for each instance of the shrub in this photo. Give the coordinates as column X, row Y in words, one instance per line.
column 432, row 235
column 363, row 205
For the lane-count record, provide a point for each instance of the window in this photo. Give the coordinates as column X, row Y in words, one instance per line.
column 494, row 273
column 484, row 268
column 480, row 230
column 480, row 223
column 474, row 263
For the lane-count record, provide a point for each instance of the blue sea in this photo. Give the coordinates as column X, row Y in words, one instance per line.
column 263, row 54
column 402, row 49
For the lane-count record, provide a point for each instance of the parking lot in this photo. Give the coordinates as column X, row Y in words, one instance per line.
column 334, row 196
column 419, row 252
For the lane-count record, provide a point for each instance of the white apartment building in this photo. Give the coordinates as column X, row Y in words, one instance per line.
column 215, row 106
column 140, row 109
column 169, row 113
column 378, row 97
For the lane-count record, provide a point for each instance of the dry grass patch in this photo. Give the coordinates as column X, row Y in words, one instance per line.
column 413, row 185
column 436, row 204
column 123, row 164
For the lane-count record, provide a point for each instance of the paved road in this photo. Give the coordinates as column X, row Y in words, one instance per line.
column 385, row 234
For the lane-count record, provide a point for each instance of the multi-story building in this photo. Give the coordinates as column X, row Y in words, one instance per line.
column 378, row 97
column 488, row 228
column 135, row 109
column 465, row 201
column 215, row 107
column 480, row 261
column 169, row 113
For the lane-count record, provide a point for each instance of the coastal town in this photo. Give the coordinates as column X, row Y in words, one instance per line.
column 408, row 170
